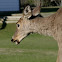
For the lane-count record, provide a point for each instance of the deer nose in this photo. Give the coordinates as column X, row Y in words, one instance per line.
column 12, row 40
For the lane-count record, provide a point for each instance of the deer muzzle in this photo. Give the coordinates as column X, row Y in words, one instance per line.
column 16, row 41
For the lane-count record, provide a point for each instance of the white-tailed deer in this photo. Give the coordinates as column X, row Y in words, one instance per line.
column 51, row 26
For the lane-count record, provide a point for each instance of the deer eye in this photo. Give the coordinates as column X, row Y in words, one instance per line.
column 18, row 25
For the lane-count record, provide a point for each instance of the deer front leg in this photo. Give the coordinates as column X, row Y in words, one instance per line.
column 59, row 58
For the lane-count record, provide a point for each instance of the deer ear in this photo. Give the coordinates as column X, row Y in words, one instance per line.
column 27, row 13
column 36, row 11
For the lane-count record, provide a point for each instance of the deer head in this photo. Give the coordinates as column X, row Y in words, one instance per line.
column 23, row 26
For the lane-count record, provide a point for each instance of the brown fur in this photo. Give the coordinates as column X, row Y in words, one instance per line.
column 51, row 26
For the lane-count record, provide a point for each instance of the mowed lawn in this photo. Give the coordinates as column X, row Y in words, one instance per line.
column 34, row 48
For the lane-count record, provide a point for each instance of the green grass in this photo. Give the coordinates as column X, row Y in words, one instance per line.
column 34, row 48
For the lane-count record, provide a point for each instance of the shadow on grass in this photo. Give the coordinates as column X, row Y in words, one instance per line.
column 45, row 9
column 4, row 24
column 21, row 10
column 49, row 9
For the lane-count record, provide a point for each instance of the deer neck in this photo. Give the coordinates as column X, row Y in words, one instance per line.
column 41, row 26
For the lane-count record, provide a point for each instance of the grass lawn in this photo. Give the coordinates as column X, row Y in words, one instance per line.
column 34, row 48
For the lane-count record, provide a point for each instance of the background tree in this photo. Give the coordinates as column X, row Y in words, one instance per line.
column 44, row 3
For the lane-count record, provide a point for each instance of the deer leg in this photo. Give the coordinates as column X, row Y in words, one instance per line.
column 59, row 58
